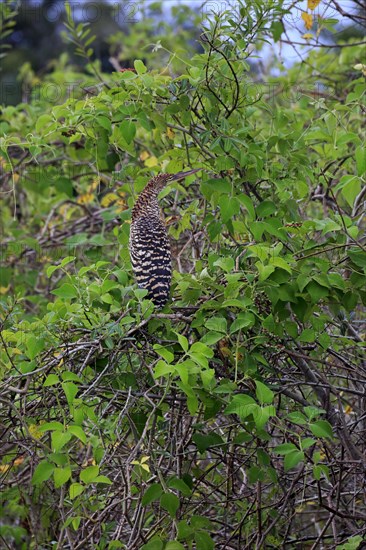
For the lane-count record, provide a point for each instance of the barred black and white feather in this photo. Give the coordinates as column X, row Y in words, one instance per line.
column 149, row 243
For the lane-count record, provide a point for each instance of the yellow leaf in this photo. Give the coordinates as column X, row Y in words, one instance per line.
column 360, row 67
column 121, row 206
column 18, row 461
column 145, row 467
column 170, row 133
column 63, row 209
column 4, row 289
column 152, row 161
column 348, row 410
column 307, row 36
column 144, row 155
column 4, row 468
column 94, row 185
column 312, row 4
column 86, row 198
column 89, row 462
column 308, row 20
column 108, row 199
column 61, row 362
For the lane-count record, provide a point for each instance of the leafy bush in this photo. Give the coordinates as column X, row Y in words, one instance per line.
column 236, row 414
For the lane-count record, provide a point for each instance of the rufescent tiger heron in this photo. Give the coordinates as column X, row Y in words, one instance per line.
column 149, row 244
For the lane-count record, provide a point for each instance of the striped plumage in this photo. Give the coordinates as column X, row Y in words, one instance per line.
column 149, row 243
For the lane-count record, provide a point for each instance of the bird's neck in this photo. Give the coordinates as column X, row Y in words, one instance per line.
column 147, row 203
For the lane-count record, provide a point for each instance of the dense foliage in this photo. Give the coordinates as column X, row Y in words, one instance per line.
column 235, row 416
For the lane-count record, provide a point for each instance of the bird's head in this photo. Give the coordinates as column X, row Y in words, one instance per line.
column 160, row 181
column 147, row 200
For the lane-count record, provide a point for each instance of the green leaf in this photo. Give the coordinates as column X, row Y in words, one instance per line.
column 162, row 369
column 358, row 257
column 155, row 543
column 360, row 160
column 78, row 432
column 43, row 121
column 107, row 298
column 265, row 209
column 183, row 370
column 153, row 493
column 201, row 522
column 351, row 187
column 165, row 354
column 70, row 390
column 128, row 130
column 297, row 418
column 192, row 404
column 61, row 476
column 59, row 440
column 170, row 503
column 321, row 428
column 285, row 448
column 316, row 291
column 307, row 335
column 243, row 405
column 66, row 291
column 183, row 342
column 211, row 338
column 277, row 29
column 218, row 324
column 263, row 393
column 180, row 485
column 51, row 380
column 318, row 471
column 139, row 66
column 89, row 474
column 255, row 474
column 226, row 264
column 42, row 472
column 67, row 260
column 264, row 270
column 34, row 346
column 104, row 122
column 115, row 545
column 103, row 479
column 248, row 205
column 199, row 347
column 243, row 320
column 203, row 541
column 218, row 185
column 174, row 545
column 313, row 412
column 68, row 376
column 281, row 263
column 50, row 269
column 184, row 530
column 353, row 543
column 52, row 426
column 75, row 490
column 229, row 207
column 261, row 415
column 204, row 442
column 292, row 459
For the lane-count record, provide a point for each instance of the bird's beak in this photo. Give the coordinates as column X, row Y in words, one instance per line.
column 182, row 175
